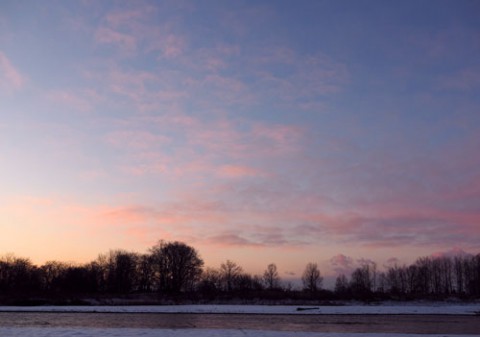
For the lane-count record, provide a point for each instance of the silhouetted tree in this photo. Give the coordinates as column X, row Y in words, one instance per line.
column 341, row 285
column 75, row 280
column 424, row 276
column 52, row 273
column 229, row 272
column 121, row 269
column 210, row 282
column 145, row 272
column 18, row 275
column 270, row 277
column 177, row 266
column 459, row 268
column 474, row 276
column 95, row 277
column 311, row 278
column 360, row 282
column 244, row 282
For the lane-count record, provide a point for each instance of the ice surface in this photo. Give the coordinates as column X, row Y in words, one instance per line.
column 420, row 309
column 82, row 332
column 467, row 309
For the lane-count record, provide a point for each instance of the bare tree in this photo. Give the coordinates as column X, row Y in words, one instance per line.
column 145, row 272
column 178, row 266
column 361, row 281
column 311, row 278
column 341, row 284
column 229, row 271
column 270, row 277
column 210, row 281
column 18, row 274
column 51, row 272
column 121, row 271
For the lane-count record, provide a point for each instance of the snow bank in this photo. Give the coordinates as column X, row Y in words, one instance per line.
column 89, row 332
column 432, row 309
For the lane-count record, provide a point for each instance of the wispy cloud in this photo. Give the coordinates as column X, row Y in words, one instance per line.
column 466, row 79
column 136, row 31
column 197, row 147
column 342, row 264
column 453, row 252
column 124, row 42
column 236, row 171
column 10, row 78
column 298, row 80
column 83, row 101
column 231, row 239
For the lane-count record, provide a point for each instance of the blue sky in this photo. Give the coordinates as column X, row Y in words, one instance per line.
column 314, row 130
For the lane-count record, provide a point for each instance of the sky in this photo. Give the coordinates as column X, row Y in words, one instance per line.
column 333, row 132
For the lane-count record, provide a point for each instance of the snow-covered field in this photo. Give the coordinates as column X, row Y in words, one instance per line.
column 76, row 332
column 416, row 309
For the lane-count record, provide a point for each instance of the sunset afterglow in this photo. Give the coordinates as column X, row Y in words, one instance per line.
column 255, row 131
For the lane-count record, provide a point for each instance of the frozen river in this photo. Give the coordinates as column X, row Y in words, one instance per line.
column 384, row 320
column 353, row 323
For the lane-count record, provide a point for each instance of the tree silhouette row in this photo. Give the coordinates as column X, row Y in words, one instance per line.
column 176, row 270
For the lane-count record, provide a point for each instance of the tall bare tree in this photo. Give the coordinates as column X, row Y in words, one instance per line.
column 230, row 272
column 270, row 277
column 341, row 284
column 311, row 278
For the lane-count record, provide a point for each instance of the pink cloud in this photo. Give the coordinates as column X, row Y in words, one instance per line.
column 279, row 138
column 342, row 264
column 166, row 43
column 277, row 55
column 243, row 21
column 173, row 46
column 305, row 80
column 10, row 77
column 375, row 225
column 231, row 139
column 215, row 216
column 142, row 170
column 365, row 262
column 384, row 227
column 176, row 218
column 125, row 42
column 132, row 31
column 72, row 100
column 128, row 17
column 126, row 28
column 130, row 215
column 213, row 59
column 202, row 148
column 236, row 171
column 229, row 90
column 144, row 91
column 230, row 239
column 454, row 252
column 137, row 139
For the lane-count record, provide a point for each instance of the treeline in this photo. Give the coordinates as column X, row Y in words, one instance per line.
column 175, row 271
column 428, row 277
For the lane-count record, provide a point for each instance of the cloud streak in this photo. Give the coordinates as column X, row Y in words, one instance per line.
column 10, row 78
